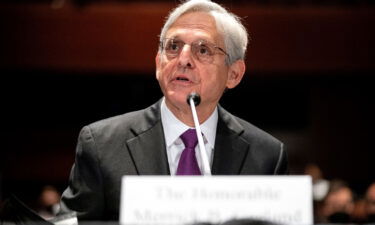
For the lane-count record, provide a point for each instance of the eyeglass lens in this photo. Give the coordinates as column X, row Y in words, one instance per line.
column 202, row 50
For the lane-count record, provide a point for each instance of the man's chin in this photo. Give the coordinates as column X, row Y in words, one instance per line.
column 178, row 101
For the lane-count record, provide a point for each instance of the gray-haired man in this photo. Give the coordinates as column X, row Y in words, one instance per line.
column 202, row 50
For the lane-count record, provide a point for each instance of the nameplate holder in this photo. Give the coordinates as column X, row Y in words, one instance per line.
column 177, row 200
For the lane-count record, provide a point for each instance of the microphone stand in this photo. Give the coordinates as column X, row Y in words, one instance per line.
column 194, row 100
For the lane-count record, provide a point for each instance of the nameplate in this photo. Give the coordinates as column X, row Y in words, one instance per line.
column 181, row 200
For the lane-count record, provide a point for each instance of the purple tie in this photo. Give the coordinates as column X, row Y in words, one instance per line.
column 188, row 164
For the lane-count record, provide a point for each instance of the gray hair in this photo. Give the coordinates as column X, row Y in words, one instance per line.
column 229, row 26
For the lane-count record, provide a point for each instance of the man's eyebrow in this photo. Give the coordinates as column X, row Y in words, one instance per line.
column 174, row 37
column 177, row 38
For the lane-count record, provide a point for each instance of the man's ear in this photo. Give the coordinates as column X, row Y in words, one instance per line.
column 235, row 73
column 157, row 62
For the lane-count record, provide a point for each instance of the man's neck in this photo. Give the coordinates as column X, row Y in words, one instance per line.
column 184, row 113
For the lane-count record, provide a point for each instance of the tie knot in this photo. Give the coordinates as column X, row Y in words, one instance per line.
column 190, row 138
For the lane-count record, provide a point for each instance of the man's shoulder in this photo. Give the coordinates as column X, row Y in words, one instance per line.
column 118, row 121
column 127, row 122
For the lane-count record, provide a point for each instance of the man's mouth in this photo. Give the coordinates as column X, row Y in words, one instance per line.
column 182, row 79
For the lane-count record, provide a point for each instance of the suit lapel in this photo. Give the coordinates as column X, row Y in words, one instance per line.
column 147, row 148
column 230, row 149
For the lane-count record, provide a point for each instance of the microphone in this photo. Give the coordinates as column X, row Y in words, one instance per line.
column 196, row 98
column 193, row 99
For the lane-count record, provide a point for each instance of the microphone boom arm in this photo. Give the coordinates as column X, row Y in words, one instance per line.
column 205, row 163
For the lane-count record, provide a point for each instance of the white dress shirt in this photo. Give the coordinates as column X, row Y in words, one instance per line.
column 173, row 128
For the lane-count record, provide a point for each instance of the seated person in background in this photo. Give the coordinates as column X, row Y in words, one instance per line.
column 320, row 185
column 48, row 202
column 202, row 49
column 338, row 204
column 370, row 204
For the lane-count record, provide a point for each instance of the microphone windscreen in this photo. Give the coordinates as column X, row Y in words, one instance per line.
column 196, row 98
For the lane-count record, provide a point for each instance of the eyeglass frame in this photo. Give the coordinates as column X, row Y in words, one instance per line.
column 162, row 46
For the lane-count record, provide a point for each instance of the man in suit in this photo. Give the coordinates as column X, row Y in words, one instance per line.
column 202, row 50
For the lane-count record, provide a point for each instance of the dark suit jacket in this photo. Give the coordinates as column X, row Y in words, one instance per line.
column 134, row 144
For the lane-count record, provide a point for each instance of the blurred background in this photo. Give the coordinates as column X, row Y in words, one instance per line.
column 67, row 63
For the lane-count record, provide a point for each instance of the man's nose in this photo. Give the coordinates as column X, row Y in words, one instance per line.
column 185, row 58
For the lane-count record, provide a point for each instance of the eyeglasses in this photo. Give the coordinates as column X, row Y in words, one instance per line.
column 202, row 50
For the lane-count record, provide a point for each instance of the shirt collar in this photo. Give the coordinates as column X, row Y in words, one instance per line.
column 173, row 127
